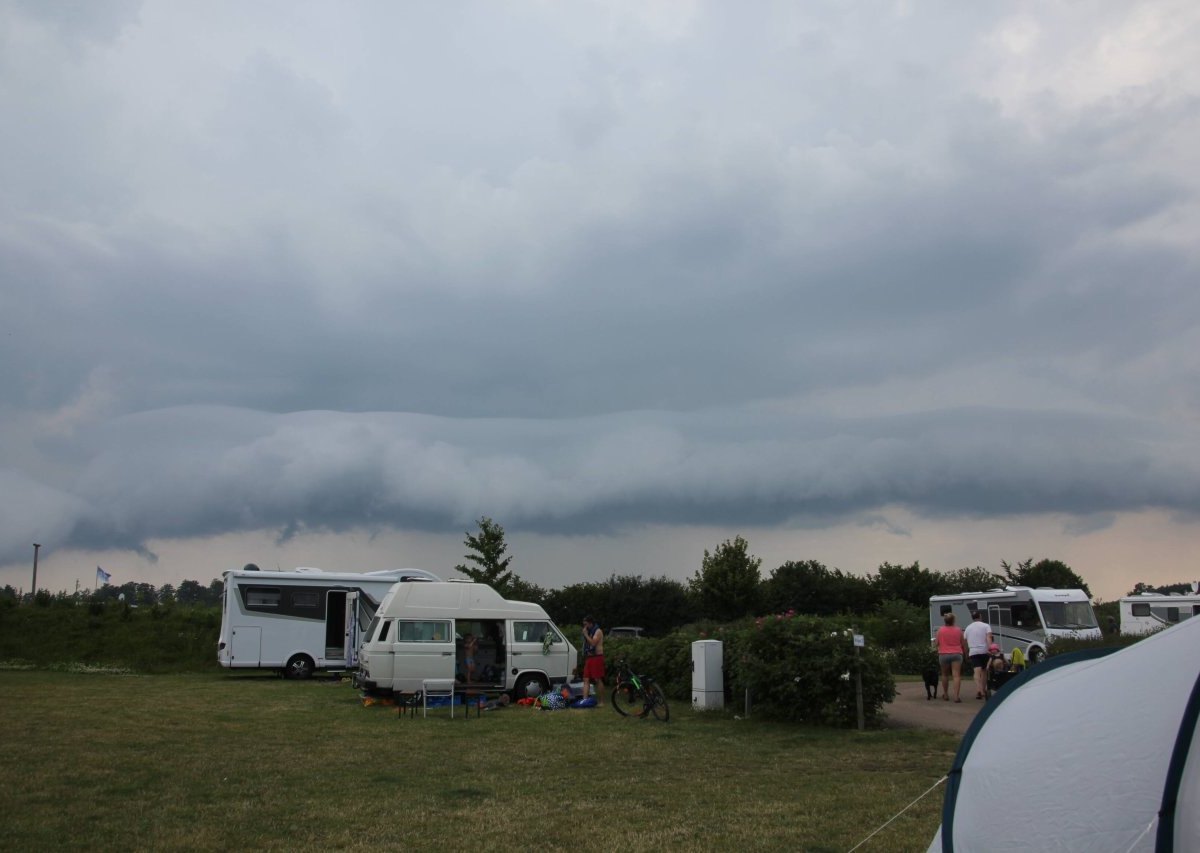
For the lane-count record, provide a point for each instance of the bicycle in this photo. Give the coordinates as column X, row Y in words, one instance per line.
column 638, row 696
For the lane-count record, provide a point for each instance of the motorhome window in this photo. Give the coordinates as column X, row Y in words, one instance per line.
column 1172, row 614
column 1196, row 609
column 1025, row 616
column 947, row 608
column 1141, row 609
column 257, row 596
column 414, row 631
column 384, row 632
column 370, row 632
column 304, row 599
column 534, row 632
column 1071, row 615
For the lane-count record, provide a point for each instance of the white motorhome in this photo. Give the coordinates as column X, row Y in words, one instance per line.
column 1021, row 617
column 420, row 630
column 300, row 621
column 1149, row 611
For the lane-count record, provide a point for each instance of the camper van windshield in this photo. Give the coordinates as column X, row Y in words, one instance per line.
column 1072, row 615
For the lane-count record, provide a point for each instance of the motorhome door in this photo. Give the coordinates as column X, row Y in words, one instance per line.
column 245, row 645
column 350, row 648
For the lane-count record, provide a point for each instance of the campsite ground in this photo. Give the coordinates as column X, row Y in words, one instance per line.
column 108, row 761
column 911, row 709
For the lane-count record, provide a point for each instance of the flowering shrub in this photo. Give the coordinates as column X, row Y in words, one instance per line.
column 799, row 668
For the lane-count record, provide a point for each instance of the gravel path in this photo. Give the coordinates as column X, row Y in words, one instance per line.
column 912, row 709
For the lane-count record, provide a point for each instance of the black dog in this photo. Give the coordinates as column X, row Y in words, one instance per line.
column 931, row 675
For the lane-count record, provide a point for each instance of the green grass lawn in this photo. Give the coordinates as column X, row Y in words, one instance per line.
column 221, row 762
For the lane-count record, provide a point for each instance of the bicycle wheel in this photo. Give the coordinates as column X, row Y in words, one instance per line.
column 657, row 702
column 627, row 700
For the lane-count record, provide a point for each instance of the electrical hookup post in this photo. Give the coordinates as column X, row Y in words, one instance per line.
column 859, row 642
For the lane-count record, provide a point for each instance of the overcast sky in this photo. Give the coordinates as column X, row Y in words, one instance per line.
column 305, row 283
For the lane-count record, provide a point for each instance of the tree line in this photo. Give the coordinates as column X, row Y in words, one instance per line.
column 729, row 585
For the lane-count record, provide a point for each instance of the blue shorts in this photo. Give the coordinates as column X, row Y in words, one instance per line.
column 946, row 660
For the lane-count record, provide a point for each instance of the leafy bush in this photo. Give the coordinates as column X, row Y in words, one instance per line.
column 112, row 634
column 1062, row 645
column 798, row 668
column 911, row 659
column 896, row 623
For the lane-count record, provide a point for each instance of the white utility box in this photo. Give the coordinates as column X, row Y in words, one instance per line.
column 708, row 680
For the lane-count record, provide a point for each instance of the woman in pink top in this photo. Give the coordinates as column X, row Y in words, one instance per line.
column 952, row 647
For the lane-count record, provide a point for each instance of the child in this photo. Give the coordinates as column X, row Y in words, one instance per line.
column 470, row 646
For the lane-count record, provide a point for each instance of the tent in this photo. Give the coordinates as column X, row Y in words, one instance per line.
column 1096, row 750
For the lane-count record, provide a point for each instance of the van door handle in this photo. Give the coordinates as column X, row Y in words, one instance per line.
column 447, row 654
column 514, row 654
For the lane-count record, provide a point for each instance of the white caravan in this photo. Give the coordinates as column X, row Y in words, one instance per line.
column 420, row 630
column 1149, row 611
column 300, row 621
column 1021, row 617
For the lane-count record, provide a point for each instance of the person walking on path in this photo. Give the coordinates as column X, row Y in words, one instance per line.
column 952, row 648
column 979, row 637
column 593, row 657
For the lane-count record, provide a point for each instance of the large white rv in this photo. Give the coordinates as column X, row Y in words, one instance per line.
column 419, row 634
column 1020, row 616
column 300, row 621
column 1149, row 611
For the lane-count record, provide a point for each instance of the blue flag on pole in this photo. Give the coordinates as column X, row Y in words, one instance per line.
column 102, row 576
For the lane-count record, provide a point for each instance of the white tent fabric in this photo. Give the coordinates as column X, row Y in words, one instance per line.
column 1081, row 753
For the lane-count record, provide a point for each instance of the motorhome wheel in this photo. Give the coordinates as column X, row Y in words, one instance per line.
column 299, row 667
column 1037, row 654
column 529, row 685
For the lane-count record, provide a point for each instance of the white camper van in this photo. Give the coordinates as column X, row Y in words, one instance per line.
column 1020, row 616
column 420, row 633
column 1149, row 611
column 300, row 621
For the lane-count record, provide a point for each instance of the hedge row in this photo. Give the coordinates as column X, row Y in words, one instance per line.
column 797, row 668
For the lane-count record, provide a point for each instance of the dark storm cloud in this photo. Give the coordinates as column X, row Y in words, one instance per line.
column 198, row 470
column 625, row 264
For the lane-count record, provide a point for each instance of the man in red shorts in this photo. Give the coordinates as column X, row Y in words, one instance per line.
column 593, row 657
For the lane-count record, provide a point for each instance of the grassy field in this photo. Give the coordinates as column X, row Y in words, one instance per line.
column 220, row 762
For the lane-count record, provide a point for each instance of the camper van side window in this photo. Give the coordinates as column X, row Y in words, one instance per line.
column 383, row 632
column 304, row 599
column 261, row 596
column 946, row 608
column 413, row 631
column 1142, row 609
column 1172, row 614
column 534, row 632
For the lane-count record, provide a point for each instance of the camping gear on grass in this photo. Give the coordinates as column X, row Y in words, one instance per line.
column 1096, row 750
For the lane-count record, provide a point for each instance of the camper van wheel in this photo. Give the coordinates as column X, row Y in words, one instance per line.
column 300, row 666
column 521, row 689
column 1037, row 654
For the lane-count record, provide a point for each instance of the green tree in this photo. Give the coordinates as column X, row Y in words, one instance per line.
column 727, row 585
column 907, row 583
column 487, row 553
column 659, row 605
column 811, row 587
column 1052, row 573
column 521, row 590
column 1182, row 588
column 977, row 579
